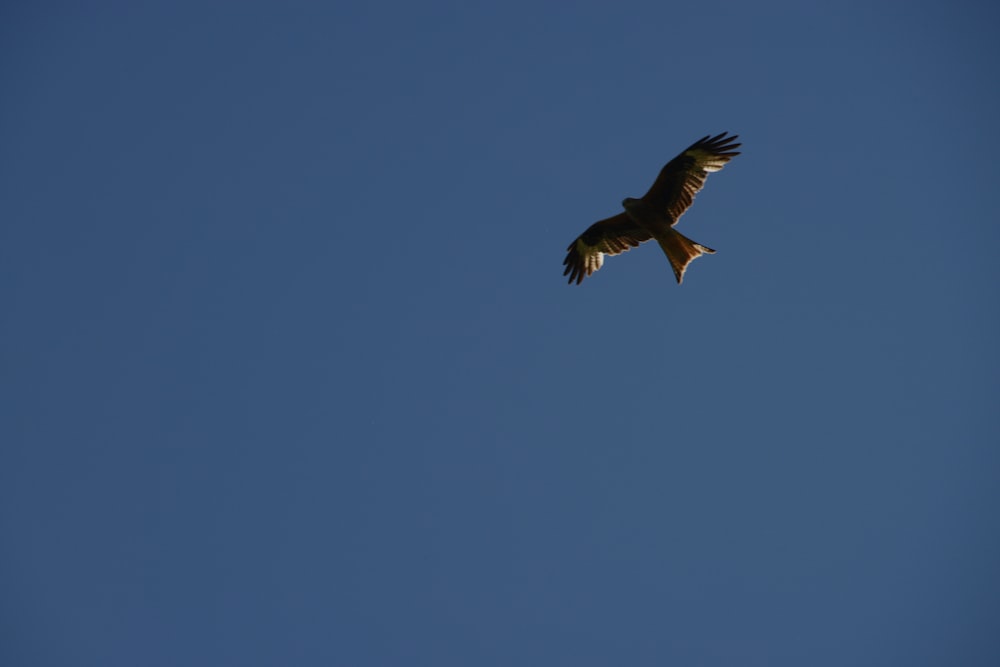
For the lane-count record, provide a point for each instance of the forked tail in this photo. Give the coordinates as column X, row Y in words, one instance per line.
column 680, row 250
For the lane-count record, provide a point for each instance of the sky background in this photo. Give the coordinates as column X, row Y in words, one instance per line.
column 290, row 374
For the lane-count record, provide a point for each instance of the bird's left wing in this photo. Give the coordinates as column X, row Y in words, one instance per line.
column 681, row 178
column 610, row 236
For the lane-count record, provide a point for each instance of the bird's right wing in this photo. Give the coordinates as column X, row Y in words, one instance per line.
column 610, row 236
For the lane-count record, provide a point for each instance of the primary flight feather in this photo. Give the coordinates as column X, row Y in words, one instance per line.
column 655, row 214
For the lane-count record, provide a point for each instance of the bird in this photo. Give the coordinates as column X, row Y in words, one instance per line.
column 654, row 215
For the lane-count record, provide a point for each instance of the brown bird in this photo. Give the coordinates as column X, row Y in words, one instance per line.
column 654, row 216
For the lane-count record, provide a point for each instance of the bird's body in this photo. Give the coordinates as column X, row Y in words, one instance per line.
column 655, row 214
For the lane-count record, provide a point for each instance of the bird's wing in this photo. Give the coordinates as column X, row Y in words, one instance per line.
column 610, row 236
column 681, row 179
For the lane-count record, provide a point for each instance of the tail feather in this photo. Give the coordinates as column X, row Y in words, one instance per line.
column 680, row 250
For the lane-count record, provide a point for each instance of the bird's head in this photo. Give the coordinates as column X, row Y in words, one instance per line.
column 630, row 203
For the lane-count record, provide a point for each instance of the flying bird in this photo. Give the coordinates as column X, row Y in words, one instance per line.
column 655, row 214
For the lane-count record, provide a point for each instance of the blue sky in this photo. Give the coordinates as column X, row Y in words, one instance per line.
column 291, row 374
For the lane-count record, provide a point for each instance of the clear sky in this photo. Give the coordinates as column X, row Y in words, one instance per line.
column 291, row 376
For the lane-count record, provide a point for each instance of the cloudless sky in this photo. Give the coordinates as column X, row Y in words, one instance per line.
column 291, row 376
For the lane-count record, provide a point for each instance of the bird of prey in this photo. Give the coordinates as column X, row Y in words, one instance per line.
column 655, row 214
